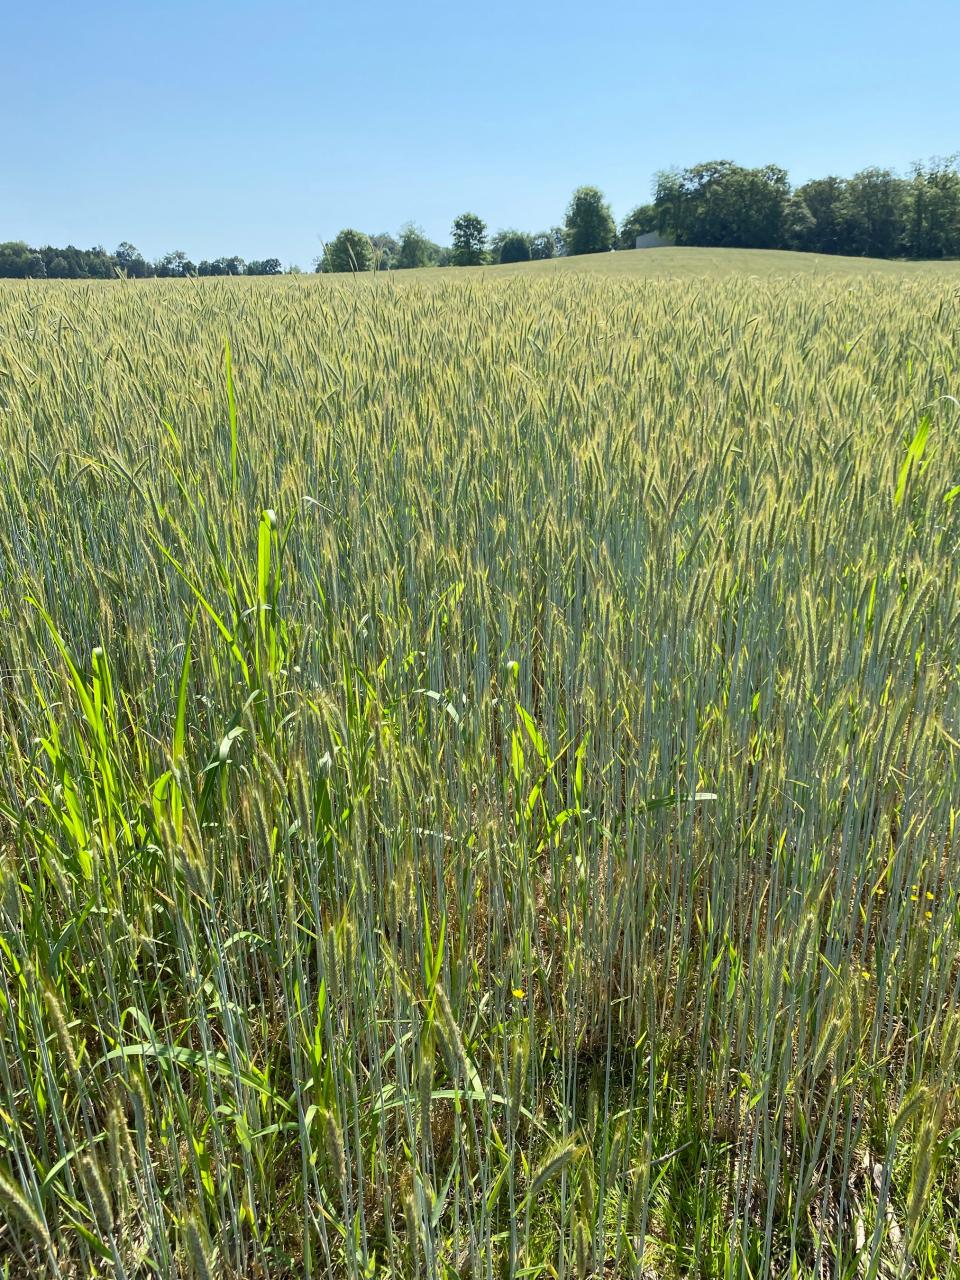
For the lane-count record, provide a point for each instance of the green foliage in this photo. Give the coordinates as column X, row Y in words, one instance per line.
column 349, row 251
column 469, row 234
column 131, row 262
column 479, row 772
column 385, row 250
column 544, row 245
column 415, row 250
column 933, row 220
column 18, row 261
column 263, row 267
column 817, row 218
column 873, row 214
column 511, row 246
column 71, row 263
column 222, row 267
column 876, row 203
column 721, row 204
column 589, row 224
column 645, row 218
column 175, row 264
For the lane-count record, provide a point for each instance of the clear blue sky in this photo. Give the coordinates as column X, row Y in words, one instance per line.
column 257, row 129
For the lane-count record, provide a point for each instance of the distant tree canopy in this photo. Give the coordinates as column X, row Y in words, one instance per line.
column 720, row 203
column 264, row 267
column 589, row 226
column 71, row 263
column 469, row 236
column 874, row 213
column 19, row 260
column 222, row 267
column 175, row 264
column 545, row 245
column 385, row 250
column 511, row 246
column 131, row 261
column 933, row 212
column 415, row 250
column 877, row 210
column 516, row 247
column 639, row 222
column 349, row 250
column 816, row 217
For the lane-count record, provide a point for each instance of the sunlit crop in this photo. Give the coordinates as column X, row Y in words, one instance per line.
column 479, row 777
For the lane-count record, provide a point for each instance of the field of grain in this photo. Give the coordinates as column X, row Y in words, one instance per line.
column 479, row 776
column 710, row 264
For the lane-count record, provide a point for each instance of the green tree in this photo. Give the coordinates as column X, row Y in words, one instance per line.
column 221, row 267
column 349, row 250
column 764, row 192
column 877, row 208
column 19, row 262
column 822, row 225
column 511, row 246
column 639, row 222
column 720, row 203
column 589, row 227
column 469, row 238
column 543, row 245
column 933, row 222
column 799, row 224
column 131, row 261
column 415, row 250
column 175, row 264
column 385, row 249
column 71, row 263
column 516, row 247
column 263, row 267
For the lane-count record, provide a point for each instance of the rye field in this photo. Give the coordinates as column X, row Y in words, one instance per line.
column 479, row 774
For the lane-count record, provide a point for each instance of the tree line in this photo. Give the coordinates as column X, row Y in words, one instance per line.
column 352, row 250
column 19, row 261
column 876, row 213
column 471, row 245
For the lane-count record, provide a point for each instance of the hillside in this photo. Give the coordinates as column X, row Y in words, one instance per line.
column 681, row 263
